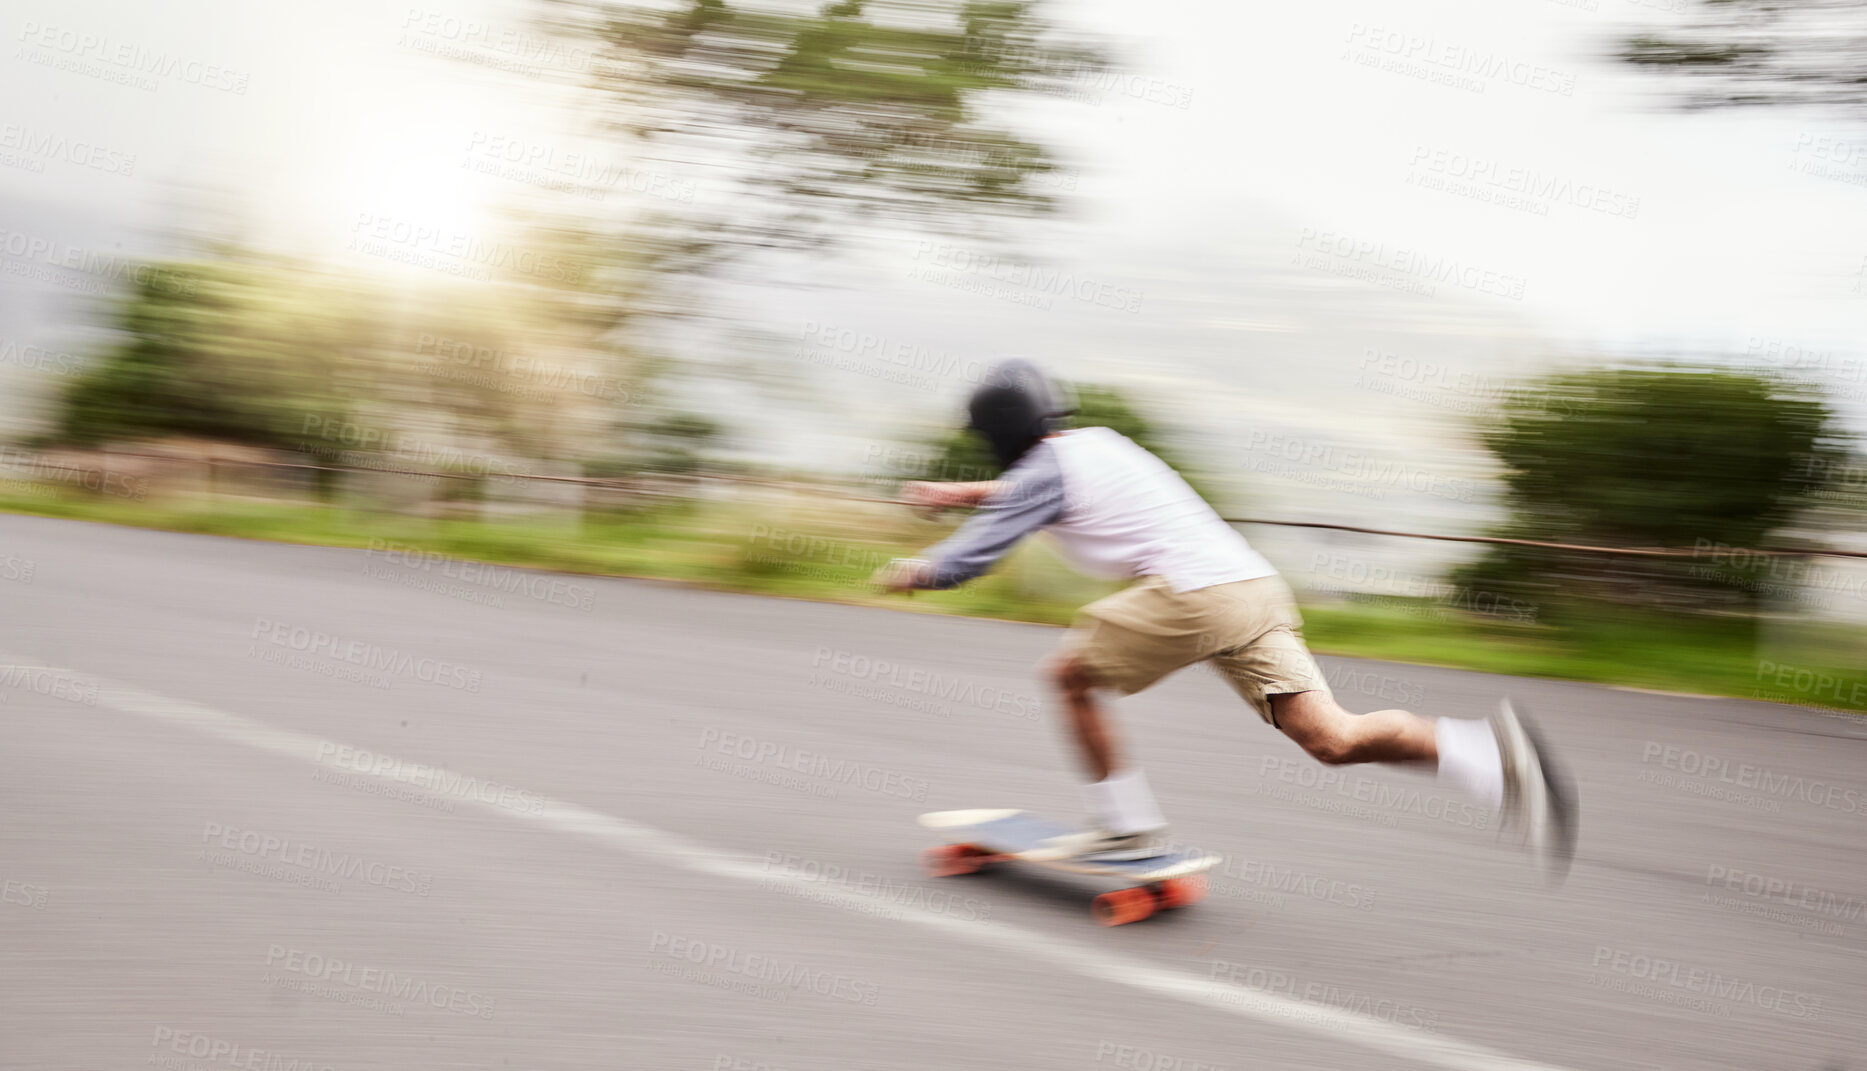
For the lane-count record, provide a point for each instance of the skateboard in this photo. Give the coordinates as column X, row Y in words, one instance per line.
column 977, row 839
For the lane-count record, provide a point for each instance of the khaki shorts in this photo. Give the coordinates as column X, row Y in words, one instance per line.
column 1250, row 629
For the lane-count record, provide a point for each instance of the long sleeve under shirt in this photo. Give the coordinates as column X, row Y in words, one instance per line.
column 1115, row 510
column 1030, row 496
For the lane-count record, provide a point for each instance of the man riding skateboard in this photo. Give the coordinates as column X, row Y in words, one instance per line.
column 1201, row 592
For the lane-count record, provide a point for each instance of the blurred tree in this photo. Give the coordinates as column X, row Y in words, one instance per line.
column 1762, row 52
column 770, row 129
column 676, row 443
column 1653, row 456
column 866, row 110
column 211, row 355
column 238, row 347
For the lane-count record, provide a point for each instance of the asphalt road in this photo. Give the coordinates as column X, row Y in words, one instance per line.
column 288, row 807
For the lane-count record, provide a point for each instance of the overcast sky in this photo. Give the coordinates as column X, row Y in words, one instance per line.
column 1328, row 224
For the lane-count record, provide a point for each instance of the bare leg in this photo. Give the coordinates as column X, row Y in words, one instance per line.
column 1122, row 809
column 1088, row 726
column 1337, row 737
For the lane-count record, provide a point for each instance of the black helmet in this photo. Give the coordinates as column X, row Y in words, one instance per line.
column 1014, row 406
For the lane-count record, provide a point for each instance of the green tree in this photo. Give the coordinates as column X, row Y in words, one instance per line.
column 208, row 353
column 272, row 353
column 1660, row 456
column 677, row 442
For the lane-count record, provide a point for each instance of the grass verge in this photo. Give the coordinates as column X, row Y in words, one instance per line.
column 828, row 554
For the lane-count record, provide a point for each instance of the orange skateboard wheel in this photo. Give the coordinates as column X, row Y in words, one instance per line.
column 1123, row 906
column 1179, row 892
column 953, row 860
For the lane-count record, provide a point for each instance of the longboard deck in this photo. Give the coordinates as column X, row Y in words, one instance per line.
column 1018, row 833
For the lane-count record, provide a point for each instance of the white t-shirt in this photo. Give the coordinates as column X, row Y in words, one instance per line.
column 1127, row 514
column 1115, row 510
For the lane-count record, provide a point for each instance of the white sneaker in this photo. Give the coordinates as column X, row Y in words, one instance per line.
column 1539, row 795
column 1100, row 845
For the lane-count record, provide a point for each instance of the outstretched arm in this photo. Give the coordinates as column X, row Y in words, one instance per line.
column 949, row 495
column 1028, row 497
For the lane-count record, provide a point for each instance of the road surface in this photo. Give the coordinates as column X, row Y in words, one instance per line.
column 289, row 807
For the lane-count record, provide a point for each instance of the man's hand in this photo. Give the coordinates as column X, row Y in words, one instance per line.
column 904, row 574
column 947, row 495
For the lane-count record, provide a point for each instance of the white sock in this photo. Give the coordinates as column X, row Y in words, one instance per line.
column 1122, row 803
column 1469, row 759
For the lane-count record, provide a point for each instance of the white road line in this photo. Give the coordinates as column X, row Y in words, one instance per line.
column 1086, row 960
